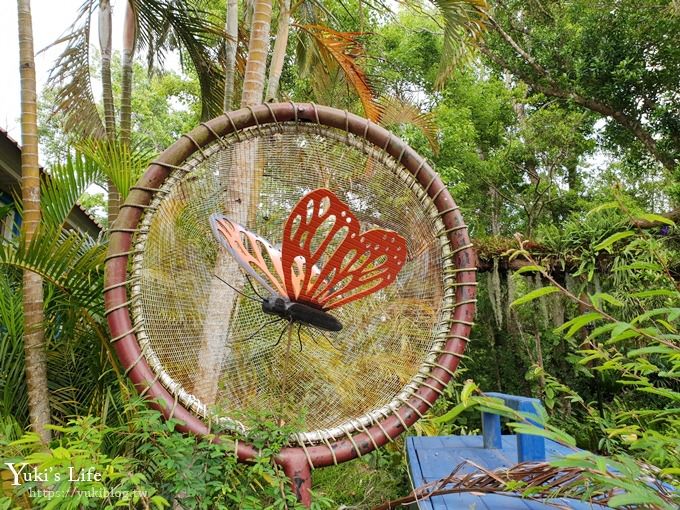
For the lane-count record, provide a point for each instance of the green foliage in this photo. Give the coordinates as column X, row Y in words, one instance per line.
column 147, row 463
column 594, row 329
column 614, row 58
column 165, row 105
column 629, row 482
column 366, row 482
column 631, row 338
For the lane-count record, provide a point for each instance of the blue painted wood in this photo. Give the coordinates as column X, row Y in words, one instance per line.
column 529, row 447
column 433, row 458
column 491, row 430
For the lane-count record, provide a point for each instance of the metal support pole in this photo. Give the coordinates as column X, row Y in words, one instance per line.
column 297, row 469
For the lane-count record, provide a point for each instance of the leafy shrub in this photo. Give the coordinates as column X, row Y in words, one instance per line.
column 145, row 464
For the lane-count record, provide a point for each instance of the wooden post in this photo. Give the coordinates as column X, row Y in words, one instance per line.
column 491, row 431
column 529, row 446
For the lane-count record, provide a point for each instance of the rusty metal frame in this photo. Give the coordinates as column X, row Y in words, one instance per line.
column 296, row 461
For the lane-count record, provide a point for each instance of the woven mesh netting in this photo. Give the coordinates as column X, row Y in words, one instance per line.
column 217, row 351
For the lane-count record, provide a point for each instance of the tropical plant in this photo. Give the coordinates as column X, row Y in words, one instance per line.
column 149, row 23
column 82, row 372
column 146, row 463
column 629, row 338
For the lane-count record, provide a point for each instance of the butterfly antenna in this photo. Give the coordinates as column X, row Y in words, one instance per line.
column 262, row 327
column 236, row 290
column 253, row 287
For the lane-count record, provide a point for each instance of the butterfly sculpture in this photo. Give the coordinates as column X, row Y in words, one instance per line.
column 324, row 262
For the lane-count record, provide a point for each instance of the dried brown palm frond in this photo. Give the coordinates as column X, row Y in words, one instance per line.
column 344, row 49
column 531, row 480
column 395, row 112
column 70, row 77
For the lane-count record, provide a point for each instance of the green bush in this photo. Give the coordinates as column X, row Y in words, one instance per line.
column 144, row 464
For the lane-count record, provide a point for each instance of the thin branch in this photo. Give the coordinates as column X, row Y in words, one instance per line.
column 553, row 89
column 518, row 49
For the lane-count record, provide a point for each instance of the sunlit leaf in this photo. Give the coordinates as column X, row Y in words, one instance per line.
column 534, row 294
column 612, row 239
column 345, row 49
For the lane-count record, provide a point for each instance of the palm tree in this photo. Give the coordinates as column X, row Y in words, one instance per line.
column 231, row 45
column 105, row 29
column 279, row 52
column 129, row 44
column 239, row 205
column 81, row 371
column 34, row 348
column 148, row 22
column 258, row 50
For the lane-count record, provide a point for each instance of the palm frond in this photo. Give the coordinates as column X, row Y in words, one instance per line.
column 197, row 32
column 538, row 480
column 344, row 49
column 397, row 112
column 79, row 356
column 71, row 261
column 13, row 393
column 66, row 183
column 121, row 163
column 70, row 78
column 465, row 22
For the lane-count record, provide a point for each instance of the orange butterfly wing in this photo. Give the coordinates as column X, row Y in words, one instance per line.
column 356, row 264
column 253, row 253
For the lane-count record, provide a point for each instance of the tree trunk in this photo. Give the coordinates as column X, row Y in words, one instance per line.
column 129, row 36
column 231, row 44
column 107, row 96
column 240, row 201
column 279, row 53
column 105, row 47
column 129, row 40
column 253, row 81
column 34, row 345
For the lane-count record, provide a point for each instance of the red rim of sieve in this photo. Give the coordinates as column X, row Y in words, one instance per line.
column 297, row 461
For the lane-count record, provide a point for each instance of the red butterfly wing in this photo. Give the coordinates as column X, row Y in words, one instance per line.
column 364, row 266
column 354, row 265
column 316, row 221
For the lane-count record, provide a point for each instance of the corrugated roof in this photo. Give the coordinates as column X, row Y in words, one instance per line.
column 6, row 135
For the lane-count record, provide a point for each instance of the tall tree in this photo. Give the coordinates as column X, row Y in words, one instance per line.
column 279, row 52
column 630, row 76
column 241, row 196
column 129, row 44
column 34, row 348
column 105, row 46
